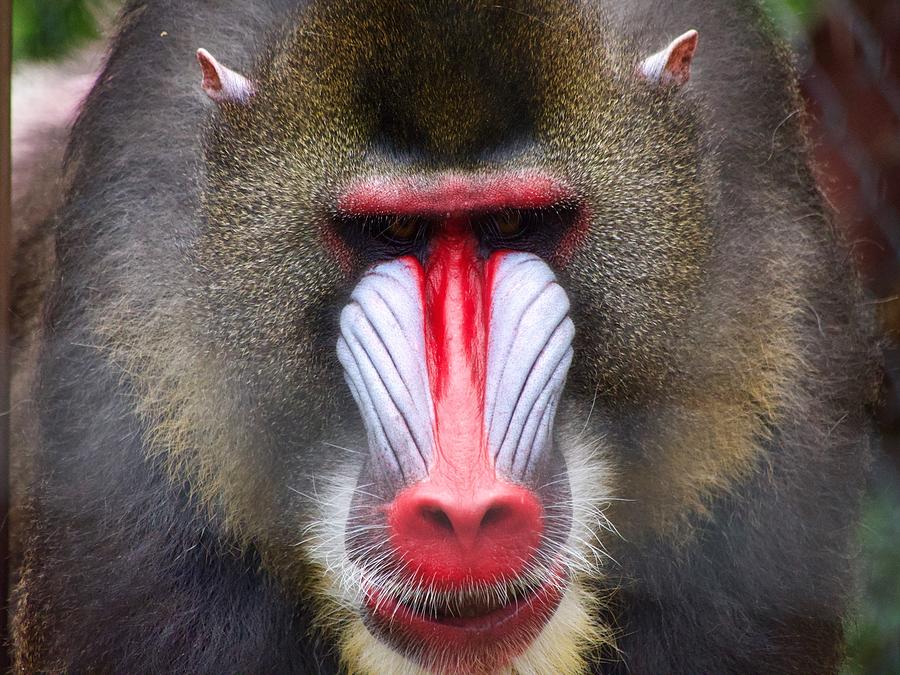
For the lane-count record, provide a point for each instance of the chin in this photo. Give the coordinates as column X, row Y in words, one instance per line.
column 553, row 633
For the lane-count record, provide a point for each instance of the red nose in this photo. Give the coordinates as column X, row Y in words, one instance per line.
column 447, row 539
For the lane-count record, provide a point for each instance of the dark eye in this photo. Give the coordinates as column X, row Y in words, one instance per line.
column 383, row 236
column 401, row 229
column 537, row 230
column 507, row 224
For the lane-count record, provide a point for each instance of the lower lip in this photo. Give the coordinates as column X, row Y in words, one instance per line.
column 515, row 625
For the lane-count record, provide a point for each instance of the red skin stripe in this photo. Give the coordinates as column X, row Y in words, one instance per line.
column 455, row 287
column 456, row 304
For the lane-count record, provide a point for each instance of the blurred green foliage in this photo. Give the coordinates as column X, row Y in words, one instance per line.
column 874, row 634
column 799, row 8
column 793, row 16
column 49, row 28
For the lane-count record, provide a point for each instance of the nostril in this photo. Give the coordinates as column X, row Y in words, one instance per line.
column 494, row 515
column 436, row 516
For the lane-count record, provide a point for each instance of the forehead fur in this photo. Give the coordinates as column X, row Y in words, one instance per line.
column 450, row 79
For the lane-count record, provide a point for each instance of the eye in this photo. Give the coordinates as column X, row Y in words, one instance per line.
column 537, row 230
column 383, row 236
column 401, row 228
column 508, row 223
column 504, row 226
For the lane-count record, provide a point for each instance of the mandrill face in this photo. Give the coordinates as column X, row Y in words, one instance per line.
column 426, row 278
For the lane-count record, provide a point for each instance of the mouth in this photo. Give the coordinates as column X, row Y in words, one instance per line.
column 471, row 622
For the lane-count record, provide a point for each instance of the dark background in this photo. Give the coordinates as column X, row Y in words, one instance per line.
column 848, row 54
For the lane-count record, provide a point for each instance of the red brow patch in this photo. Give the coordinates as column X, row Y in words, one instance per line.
column 451, row 194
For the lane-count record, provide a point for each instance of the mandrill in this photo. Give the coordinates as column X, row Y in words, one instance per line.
column 451, row 337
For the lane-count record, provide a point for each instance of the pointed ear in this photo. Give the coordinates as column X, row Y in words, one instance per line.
column 671, row 67
column 222, row 84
